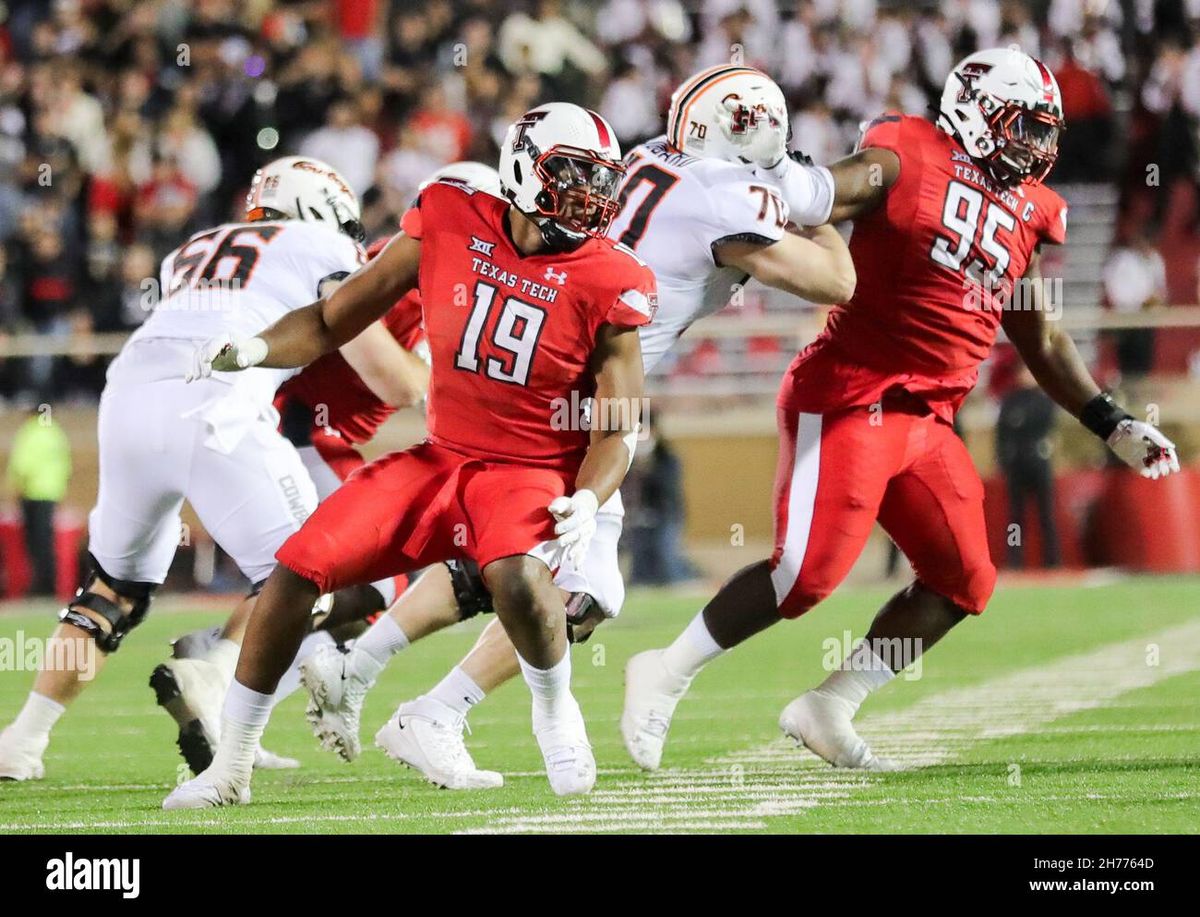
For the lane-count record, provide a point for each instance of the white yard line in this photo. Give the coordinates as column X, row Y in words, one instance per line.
column 739, row 791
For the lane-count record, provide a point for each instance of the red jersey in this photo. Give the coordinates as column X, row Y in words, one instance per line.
column 937, row 264
column 333, row 392
column 510, row 335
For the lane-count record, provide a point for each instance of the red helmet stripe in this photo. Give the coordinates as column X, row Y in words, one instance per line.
column 602, row 130
column 1047, row 82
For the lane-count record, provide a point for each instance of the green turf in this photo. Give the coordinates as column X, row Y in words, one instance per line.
column 1129, row 765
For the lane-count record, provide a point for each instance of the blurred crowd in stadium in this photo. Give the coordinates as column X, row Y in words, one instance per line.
column 127, row 124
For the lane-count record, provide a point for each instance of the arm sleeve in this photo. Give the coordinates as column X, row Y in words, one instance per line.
column 744, row 208
column 807, row 189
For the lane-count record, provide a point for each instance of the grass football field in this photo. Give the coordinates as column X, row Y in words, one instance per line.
column 1072, row 708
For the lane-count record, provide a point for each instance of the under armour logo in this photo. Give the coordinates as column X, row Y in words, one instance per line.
column 484, row 248
column 559, row 277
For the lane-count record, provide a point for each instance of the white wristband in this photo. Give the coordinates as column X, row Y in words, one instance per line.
column 251, row 352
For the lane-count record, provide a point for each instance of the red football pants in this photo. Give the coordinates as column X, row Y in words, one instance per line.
column 840, row 472
column 421, row 506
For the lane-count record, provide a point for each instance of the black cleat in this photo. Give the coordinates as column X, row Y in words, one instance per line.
column 194, row 744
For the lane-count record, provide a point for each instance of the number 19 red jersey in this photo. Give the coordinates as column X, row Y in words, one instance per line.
column 937, row 263
column 511, row 336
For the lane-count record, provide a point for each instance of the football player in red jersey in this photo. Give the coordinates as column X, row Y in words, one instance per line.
column 526, row 306
column 949, row 220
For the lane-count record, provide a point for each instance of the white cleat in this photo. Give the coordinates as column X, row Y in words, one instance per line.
column 651, row 694
column 208, row 791
column 265, row 760
column 824, row 725
column 21, row 756
column 570, row 764
column 192, row 691
column 335, row 701
column 427, row 736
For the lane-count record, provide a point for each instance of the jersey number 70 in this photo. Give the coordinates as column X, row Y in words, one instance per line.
column 960, row 215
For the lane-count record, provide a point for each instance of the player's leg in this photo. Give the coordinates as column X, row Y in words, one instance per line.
column 426, row 733
column 250, row 497
column 531, row 609
column 830, row 479
column 512, row 539
column 337, row 683
column 933, row 510
column 133, row 532
column 360, row 534
column 343, row 615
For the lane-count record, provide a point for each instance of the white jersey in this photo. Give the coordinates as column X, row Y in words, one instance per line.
column 675, row 208
column 237, row 278
column 241, row 277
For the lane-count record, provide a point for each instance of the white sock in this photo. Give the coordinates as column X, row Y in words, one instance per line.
column 380, row 643
column 291, row 678
column 242, row 723
column 38, row 716
column 458, row 691
column 692, row 650
column 224, row 655
column 861, row 673
column 551, row 688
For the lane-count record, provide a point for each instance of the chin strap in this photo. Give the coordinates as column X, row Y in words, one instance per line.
column 556, row 238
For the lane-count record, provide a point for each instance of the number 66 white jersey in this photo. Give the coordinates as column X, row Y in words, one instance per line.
column 675, row 208
column 242, row 277
column 213, row 442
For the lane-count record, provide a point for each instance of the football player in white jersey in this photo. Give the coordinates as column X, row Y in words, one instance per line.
column 214, row 443
column 706, row 206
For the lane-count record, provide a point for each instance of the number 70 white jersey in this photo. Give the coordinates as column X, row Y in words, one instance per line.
column 674, row 209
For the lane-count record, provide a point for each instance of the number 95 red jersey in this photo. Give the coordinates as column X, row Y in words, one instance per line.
column 937, row 264
column 511, row 335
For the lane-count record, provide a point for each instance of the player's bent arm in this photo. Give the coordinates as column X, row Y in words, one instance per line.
column 814, row 264
column 1053, row 359
column 617, row 365
column 306, row 334
column 1046, row 348
column 861, row 182
column 396, row 376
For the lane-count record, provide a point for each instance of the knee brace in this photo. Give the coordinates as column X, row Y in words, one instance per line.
column 120, row 622
column 470, row 592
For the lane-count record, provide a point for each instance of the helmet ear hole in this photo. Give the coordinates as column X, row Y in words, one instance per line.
column 517, row 173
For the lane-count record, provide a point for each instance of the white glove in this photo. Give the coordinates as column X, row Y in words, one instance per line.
column 768, row 147
column 1142, row 447
column 225, row 354
column 576, row 517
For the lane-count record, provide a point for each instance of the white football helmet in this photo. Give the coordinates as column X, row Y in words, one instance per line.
column 1005, row 108
column 476, row 174
column 733, row 113
column 303, row 188
column 560, row 164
